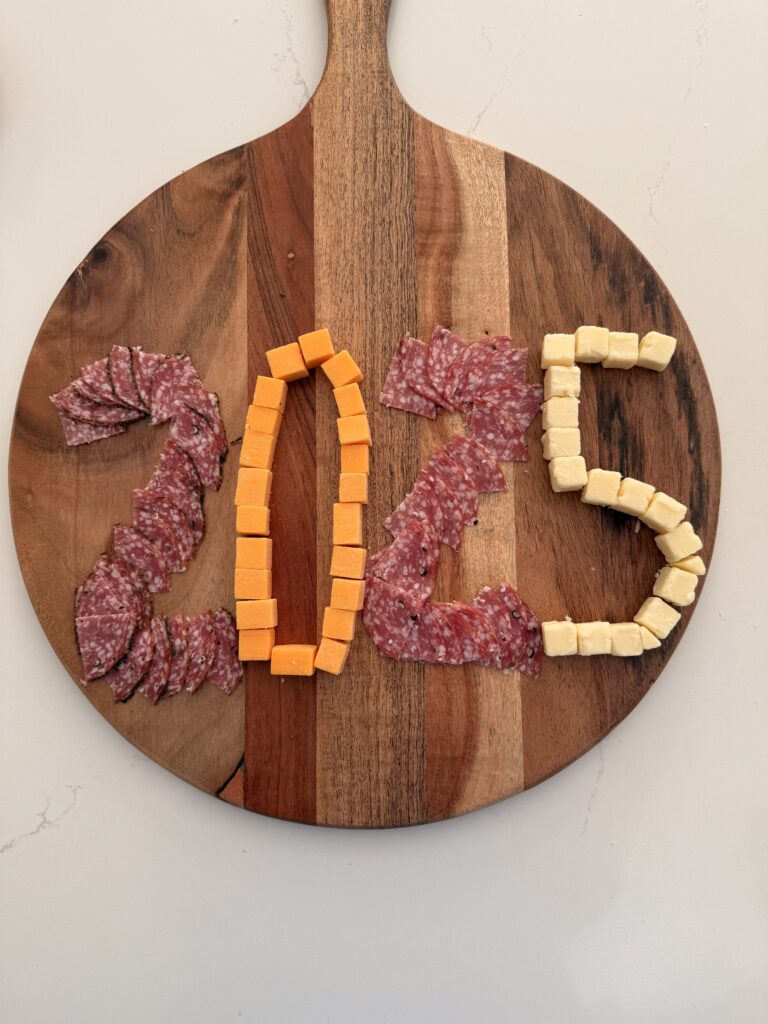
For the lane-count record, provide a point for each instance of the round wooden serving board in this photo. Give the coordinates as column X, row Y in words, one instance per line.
column 362, row 216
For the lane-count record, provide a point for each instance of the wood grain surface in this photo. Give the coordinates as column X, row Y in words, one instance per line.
column 362, row 216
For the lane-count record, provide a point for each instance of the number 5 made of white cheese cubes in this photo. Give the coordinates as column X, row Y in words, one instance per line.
column 561, row 445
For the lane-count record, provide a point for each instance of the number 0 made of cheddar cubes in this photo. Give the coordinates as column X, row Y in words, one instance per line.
column 256, row 608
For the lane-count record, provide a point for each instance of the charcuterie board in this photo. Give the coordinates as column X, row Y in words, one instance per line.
column 361, row 216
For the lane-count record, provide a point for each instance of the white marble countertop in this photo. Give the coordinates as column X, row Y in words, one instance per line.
column 630, row 888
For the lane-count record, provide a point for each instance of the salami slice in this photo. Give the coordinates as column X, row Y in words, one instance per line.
column 477, row 640
column 194, row 435
column 530, row 643
column 129, row 671
column 172, row 374
column 152, row 509
column 102, row 641
column 419, row 503
column 95, row 383
column 509, row 636
column 414, row 358
column 76, row 405
column 398, row 394
column 143, row 559
column 77, row 432
column 108, row 589
column 478, row 462
column 451, row 523
column 457, row 481
column 475, row 353
column 226, row 670
column 155, row 681
column 438, row 642
column 145, row 364
column 410, row 561
column 390, row 617
column 488, row 424
column 167, row 484
column 506, row 366
column 177, row 633
column 521, row 403
column 174, row 460
column 201, row 647
column 120, row 367
column 206, row 403
column 445, row 348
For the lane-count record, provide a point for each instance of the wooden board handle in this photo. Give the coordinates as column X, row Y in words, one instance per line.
column 357, row 39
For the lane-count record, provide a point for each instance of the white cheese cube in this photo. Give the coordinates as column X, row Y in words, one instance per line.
column 656, row 350
column 593, row 637
column 558, row 350
column 626, row 641
column 591, row 344
column 693, row 563
column 650, row 642
column 562, row 382
column 678, row 543
column 560, row 441
column 622, row 351
column 560, row 412
column 568, row 473
column 676, row 586
column 657, row 616
column 602, row 487
column 664, row 513
column 559, row 638
column 634, row 496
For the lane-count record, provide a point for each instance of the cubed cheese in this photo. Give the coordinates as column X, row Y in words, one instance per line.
column 591, row 344
column 593, row 637
column 253, row 584
column 561, row 441
column 622, row 351
column 562, row 382
column 256, row 614
column 557, row 350
column 349, row 400
column 316, row 346
column 678, row 543
column 255, row 644
column 355, row 458
column 657, row 616
column 693, row 563
column 293, row 660
column 353, row 487
column 664, row 513
column 254, row 486
column 676, row 586
column 602, row 487
column 656, row 350
column 354, row 429
column 634, row 496
column 253, row 553
column 559, row 638
column 252, row 520
column 560, row 412
column 257, row 449
column 348, row 562
column 264, row 419
column 339, row 624
column 626, row 641
column 342, row 369
column 348, row 524
column 650, row 642
column 348, row 594
column 331, row 656
column 271, row 392
column 568, row 473
column 286, row 362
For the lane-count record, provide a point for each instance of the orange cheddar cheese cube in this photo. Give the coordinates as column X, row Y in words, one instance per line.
column 355, row 458
column 339, row 624
column 286, row 362
column 252, row 520
column 264, row 419
column 353, row 487
column 253, row 584
column 257, row 449
column 331, row 656
column 348, row 523
column 349, row 400
column 271, row 393
column 293, row 660
column 316, row 346
column 348, row 594
column 255, row 644
column 256, row 614
column 253, row 553
column 354, row 429
column 342, row 369
column 348, row 562
column 254, row 485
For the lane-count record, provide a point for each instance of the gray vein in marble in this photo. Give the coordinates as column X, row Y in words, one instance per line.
column 289, row 57
column 593, row 794
column 45, row 821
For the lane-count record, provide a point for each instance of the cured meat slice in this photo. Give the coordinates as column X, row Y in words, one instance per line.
column 420, row 503
column 76, row 405
column 478, row 462
column 174, row 460
column 410, row 561
column 143, row 559
column 173, row 484
column 507, row 365
column 174, row 538
column 195, row 396
column 102, row 641
column 476, row 639
column 488, row 425
column 172, row 374
column 129, row 671
column 475, row 353
column 226, row 670
column 521, row 403
column 194, row 435
column 530, row 651
column 414, row 357
column 451, row 525
column 177, row 633
column 108, row 589
column 445, row 348
column 120, row 368
column 390, row 617
column 398, row 394
column 509, row 634
column 77, row 432
column 144, row 366
column 95, row 383
column 201, row 648
column 458, row 483
column 438, row 641
column 155, row 681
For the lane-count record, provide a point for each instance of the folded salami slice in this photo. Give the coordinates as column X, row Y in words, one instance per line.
column 445, row 348
column 172, row 374
column 507, row 365
column 521, row 403
column 390, row 617
column 489, row 425
column 226, row 670
column 201, row 647
column 77, row 432
column 410, row 561
column 155, row 681
column 109, row 589
column 206, row 403
column 168, row 485
column 76, row 405
column 193, row 434
column 474, row 355
column 398, row 394
column 480, row 463
column 120, row 367
column 177, row 633
column 166, row 526
column 530, row 651
column 174, row 460
column 414, row 356
column 95, row 383
column 510, row 633
column 102, row 641
column 452, row 520
column 458, row 483
column 129, row 671
column 144, row 560
column 145, row 364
